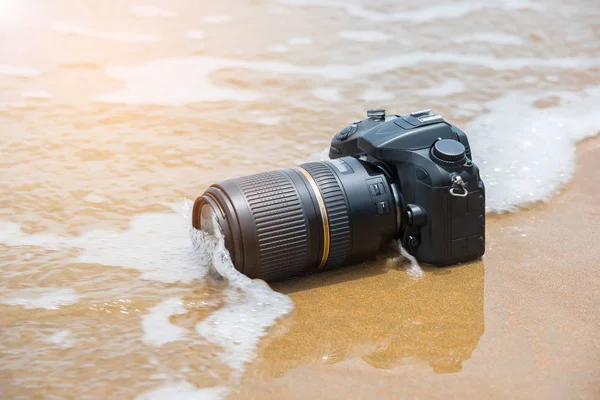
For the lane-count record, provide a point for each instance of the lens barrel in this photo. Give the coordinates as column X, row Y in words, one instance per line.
column 290, row 222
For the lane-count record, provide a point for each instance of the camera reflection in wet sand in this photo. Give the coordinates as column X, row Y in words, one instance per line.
column 380, row 315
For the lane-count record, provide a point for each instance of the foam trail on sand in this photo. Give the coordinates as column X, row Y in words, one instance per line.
column 128, row 37
column 36, row 95
column 446, row 88
column 216, row 19
column 247, row 314
column 489, row 37
column 376, row 95
column 183, row 390
column 364, row 36
column 422, row 15
column 151, row 11
column 527, row 153
column 196, row 35
column 19, row 72
column 153, row 244
column 158, row 330
column 160, row 81
column 159, row 246
column 328, row 94
column 48, row 298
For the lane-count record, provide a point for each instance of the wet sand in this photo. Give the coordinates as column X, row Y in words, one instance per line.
column 522, row 323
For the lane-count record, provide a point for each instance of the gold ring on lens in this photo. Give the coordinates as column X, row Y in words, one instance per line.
column 324, row 219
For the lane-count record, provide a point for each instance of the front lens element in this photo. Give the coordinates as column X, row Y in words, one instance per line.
column 208, row 221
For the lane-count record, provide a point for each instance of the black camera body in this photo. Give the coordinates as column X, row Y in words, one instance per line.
column 441, row 197
column 389, row 177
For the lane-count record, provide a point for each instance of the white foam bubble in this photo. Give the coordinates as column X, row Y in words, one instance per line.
column 152, row 11
column 527, row 153
column 413, row 268
column 36, row 95
column 41, row 297
column 95, row 198
column 269, row 120
column 376, row 95
column 184, row 391
column 161, row 81
column 364, row 36
column 19, row 72
column 446, row 88
column 531, row 79
column 328, row 94
column 127, row 37
column 196, row 35
column 300, row 41
column 278, row 48
column 216, row 19
column 62, row 338
column 489, row 37
column 157, row 327
column 421, row 15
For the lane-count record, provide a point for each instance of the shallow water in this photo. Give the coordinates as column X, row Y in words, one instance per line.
column 114, row 116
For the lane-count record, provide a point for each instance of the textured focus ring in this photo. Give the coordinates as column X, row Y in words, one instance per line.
column 337, row 213
column 281, row 225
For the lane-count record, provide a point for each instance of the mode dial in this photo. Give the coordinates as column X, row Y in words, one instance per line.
column 448, row 152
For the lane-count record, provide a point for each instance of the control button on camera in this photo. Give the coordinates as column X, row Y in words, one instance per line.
column 382, row 207
column 334, row 150
column 374, row 190
column 347, row 131
column 421, row 173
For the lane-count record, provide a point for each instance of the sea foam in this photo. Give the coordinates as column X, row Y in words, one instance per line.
column 165, row 247
column 127, row 37
column 527, row 153
column 41, row 297
column 421, row 15
column 19, row 72
column 183, row 390
column 158, row 329
column 160, row 81
column 152, row 11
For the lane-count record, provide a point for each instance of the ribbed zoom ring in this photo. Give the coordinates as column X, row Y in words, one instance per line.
column 337, row 213
column 281, row 226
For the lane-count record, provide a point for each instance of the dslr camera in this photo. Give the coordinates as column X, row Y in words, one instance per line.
column 390, row 177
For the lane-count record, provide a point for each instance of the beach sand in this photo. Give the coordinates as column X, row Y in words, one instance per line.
column 521, row 323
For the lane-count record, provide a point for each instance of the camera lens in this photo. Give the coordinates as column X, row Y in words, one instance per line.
column 208, row 220
column 289, row 222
